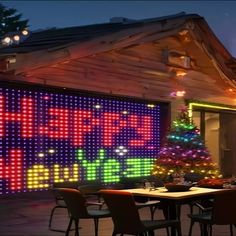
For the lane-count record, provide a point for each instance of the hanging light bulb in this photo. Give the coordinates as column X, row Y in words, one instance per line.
column 25, row 32
column 6, row 40
column 16, row 38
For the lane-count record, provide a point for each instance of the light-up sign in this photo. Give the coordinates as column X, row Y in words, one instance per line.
column 48, row 137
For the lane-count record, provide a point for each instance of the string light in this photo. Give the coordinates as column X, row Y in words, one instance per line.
column 184, row 151
column 6, row 40
column 196, row 104
column 25, row 32
column 16, row 37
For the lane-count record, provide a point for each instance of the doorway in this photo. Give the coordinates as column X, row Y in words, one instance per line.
column 218, row 129
column 209, row 124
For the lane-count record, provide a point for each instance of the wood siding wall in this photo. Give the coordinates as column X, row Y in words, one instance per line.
column 136, row 71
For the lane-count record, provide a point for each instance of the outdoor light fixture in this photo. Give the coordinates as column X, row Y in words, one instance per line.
column 177, row 59
column 181, row 73
column 178, row 93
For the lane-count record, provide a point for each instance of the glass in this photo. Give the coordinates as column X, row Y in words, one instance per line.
column 227, row 185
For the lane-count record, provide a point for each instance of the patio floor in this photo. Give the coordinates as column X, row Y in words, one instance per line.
column 28, row 215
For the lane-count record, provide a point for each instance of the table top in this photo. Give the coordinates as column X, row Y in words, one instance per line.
column 163, row 193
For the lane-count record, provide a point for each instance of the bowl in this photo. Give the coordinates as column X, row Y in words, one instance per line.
column 172, row 187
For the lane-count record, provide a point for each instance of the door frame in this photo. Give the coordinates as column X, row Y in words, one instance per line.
column 204, row 107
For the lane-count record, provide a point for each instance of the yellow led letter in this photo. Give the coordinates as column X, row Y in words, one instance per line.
column 37, row 177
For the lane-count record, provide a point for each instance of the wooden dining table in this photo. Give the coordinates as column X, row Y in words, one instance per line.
column 172, row 199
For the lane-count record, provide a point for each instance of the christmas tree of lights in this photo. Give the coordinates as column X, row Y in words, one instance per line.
column 184, row 151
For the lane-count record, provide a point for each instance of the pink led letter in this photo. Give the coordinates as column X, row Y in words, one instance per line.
column 143, row 127
column 112, row 125
column 58, row 125
column 83, row 123
column 25, row 117
column 12, row 171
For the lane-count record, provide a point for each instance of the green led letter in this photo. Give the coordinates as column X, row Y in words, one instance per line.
column 91, row 167
column 138, row 167
column 134, row 167
column 111, row 168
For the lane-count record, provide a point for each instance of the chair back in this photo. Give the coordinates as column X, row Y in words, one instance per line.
column 58, row 198
column 75, row 201
column 90, row 189
column 124, row 213
column 224, row 209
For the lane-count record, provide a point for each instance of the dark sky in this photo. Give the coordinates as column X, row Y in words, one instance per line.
column 220, row 15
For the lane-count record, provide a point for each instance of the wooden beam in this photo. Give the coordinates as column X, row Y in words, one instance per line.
column 114, row 41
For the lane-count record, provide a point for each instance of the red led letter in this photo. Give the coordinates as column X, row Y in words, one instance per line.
column 25, row 117
column 112, row 125
column 143, row 129
column 83, row 123
column 13, row 171
column 58, row 125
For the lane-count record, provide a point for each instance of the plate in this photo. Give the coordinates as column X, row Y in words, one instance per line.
column 177, row 187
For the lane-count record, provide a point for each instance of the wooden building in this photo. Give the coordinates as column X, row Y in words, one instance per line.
column 175, row 59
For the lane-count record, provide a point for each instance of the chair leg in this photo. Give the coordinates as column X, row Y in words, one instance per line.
column 150, row 233
column 152, row 211
column 96, row 226
column 204, row 227
column 231, row 230
column 69, row 226
column 191, row 228
column 210, row 230
column 51, row 215
column 50, row 219
column 76, row 227
column 167, row 231
column 178, row 211
column 178, row 229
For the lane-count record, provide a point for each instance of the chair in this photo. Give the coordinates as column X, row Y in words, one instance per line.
column 126, row 217
column 92, row 194
column 142, row 201
column 223, row 213
column 60, row 203
column 77, row 207
column 203, row 205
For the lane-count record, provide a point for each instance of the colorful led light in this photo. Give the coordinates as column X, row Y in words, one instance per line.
column 219, row 107
column 48, row 137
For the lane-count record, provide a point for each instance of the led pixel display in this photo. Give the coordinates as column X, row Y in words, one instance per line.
column 48, row 137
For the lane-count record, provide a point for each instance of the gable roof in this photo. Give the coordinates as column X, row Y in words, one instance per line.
column 54, row 46
column 55, row 38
